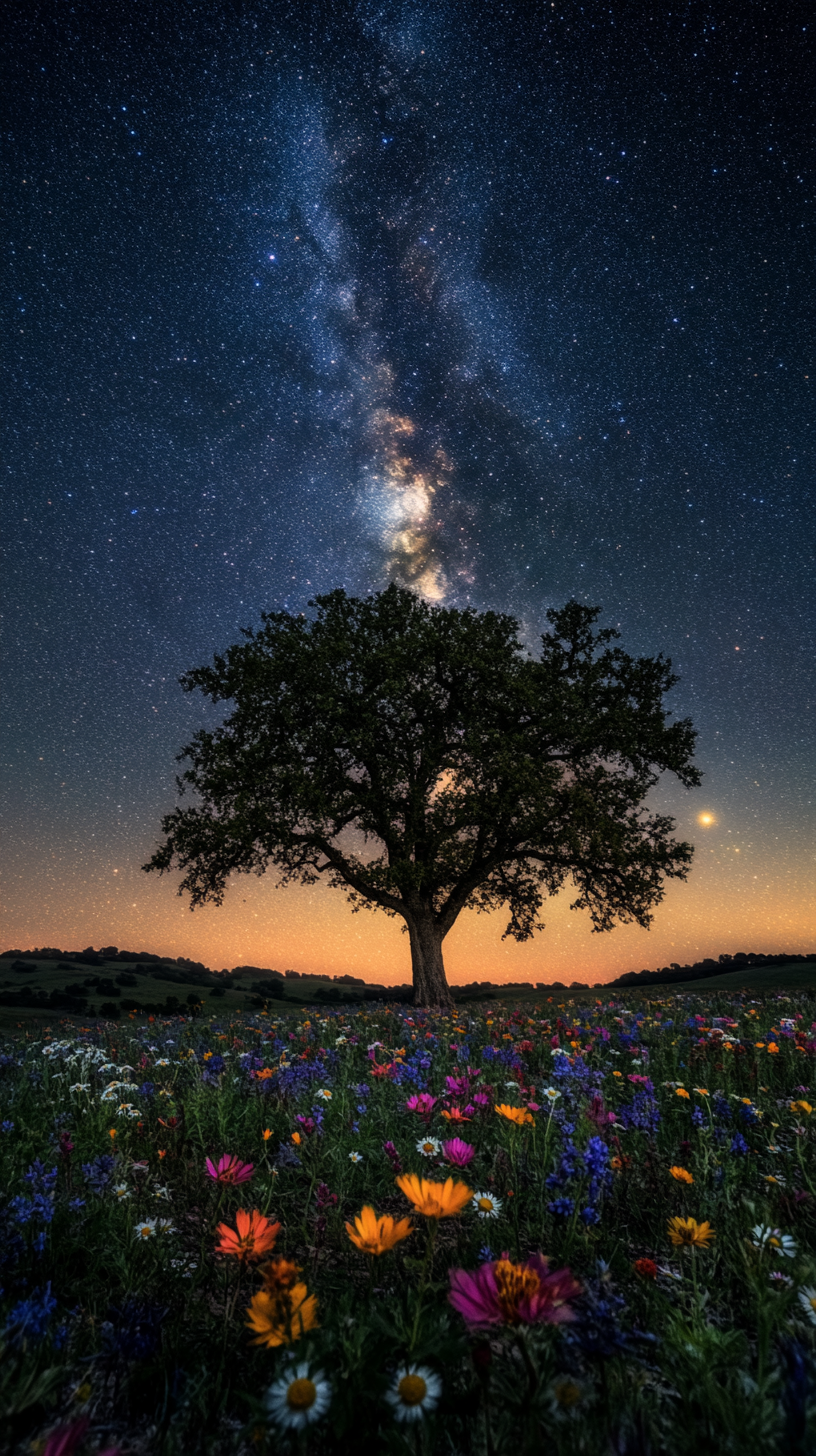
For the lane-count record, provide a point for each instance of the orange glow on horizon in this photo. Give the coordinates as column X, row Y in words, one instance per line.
column 741, row 896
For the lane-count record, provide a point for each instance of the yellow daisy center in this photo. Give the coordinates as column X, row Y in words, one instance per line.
column 412, row 1390
column 301, row 1394
column 486, row 1205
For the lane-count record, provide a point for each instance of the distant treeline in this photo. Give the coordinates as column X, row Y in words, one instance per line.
column 701, row 970
column 263, row 983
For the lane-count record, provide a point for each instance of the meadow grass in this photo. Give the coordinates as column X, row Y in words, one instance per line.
column 658, row 1153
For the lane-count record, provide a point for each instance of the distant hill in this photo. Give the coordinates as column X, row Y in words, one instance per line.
column 110, row 982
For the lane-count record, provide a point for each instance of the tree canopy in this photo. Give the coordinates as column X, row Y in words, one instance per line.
column 420, row 758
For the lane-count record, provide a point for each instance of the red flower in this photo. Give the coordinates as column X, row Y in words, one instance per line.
column 647, row 1268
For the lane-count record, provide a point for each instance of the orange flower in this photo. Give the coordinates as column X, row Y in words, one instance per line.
column 518, row 1115
column 772, row 1047
column 454, row 1115
column 162, row 1152
column 681, row 1174
column 681, row 1092
column 256, row 1235
column 266, row 1134
column 282, row 1316
column 435, row 1200
column 377, row 1235
column 280, row 1274
column 688, row 1233
column 296, row 1138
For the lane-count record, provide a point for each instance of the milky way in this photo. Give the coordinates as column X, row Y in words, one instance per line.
column 507, row 304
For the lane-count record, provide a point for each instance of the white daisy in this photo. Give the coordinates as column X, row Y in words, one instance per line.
column 145, row 1229
column 325, row 1093
column 162, row 1193
column 122, row 1191
column 162, row 1062
column 486, row 1205
column 551, row 1093
column 429, row 1147
column 355, row 1157
column 415, row 1390
column 299, row 1398
column 80, row 1087
column 771, row 1238
column 807, row 1299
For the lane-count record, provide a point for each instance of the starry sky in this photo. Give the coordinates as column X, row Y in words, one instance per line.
column 506, row 302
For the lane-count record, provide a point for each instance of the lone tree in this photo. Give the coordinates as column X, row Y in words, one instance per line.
column 422, row 759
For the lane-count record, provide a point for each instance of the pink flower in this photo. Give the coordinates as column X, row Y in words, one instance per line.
column 65, row 1439
column 230, row 1169
column 423, row 1103
column 456, row 1086
column 481, row 1100
column 458, row 1153
column 505, row 1293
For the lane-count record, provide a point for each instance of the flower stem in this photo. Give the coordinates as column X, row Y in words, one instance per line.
column 423, row 1278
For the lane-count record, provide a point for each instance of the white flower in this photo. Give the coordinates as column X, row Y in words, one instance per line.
column 552, row 1093
column 80, row 1087
column 415, row 1390
column 122, row 1191
column 299, row 1398
column 771, row 1238
column 162, row 1062
column 145, row 1229
column 340, row 1041
column 325, row 1093
column 511, row 1084
column 162, row 1193
column 110, row 1095
column 807, row 1299
column 486, row 1205
column 429, row 1147
column 355, row 1157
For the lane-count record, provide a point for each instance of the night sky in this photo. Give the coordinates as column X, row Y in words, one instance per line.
column 509, row 303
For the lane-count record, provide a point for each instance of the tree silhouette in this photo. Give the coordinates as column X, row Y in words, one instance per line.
column 420, row 758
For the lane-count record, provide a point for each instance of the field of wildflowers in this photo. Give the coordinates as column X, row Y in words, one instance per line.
column 582, row 1227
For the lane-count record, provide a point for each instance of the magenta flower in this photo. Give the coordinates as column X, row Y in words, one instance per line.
column 230, row 1169
column 423, row 1103
column 457, row 1086
column 511, row 1294
column 481, row 1100
column 458, row 1153
column 65, row 1439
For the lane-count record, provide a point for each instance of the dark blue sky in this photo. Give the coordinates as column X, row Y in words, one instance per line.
column 509, row 302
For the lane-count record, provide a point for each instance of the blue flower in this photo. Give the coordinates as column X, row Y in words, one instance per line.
column 39, row 1178
column 99, row 1172
column 697, row 1118
column 590, row 1215
column 6, row 1126
column 29, row 1320
column 738, row 1144
column 562, row 1207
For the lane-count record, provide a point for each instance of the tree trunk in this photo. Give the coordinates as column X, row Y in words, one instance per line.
column 430, row 983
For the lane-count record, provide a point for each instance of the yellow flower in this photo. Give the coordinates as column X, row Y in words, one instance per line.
column 617, row 1074
column 681, row 1092
column 681, row 1174
column 772, row 1047
column 434, row 1200
column 377, row 1235
column 760, row 1045
column 688, row 1233
column 801, row 1107
column 281, row 1316
column 701, row 1091
column 518, row 1115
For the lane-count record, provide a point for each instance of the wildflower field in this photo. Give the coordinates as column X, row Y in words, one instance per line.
column 585, row 1226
